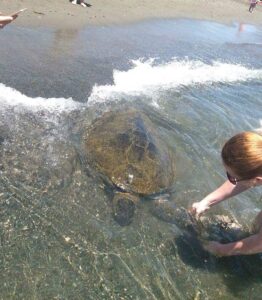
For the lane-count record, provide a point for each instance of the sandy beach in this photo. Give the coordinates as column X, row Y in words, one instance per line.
column 62, row 14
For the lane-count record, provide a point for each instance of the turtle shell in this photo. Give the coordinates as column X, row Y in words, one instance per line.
column 127, row 148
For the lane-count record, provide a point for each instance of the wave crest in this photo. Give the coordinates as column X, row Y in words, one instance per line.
column 11, row 97
column 146, row 77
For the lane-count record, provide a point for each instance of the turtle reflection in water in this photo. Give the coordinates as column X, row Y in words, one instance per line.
column 126, row 149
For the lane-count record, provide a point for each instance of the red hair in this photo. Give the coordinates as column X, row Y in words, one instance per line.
column 243, row 154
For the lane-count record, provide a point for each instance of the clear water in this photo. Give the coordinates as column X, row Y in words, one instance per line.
column 199, row 82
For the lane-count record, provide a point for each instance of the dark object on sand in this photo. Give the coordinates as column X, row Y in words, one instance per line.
column 80, row 2
column 38, row 13
column 253, row 4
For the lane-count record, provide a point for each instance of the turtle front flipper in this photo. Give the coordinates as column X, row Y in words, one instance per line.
column 168, row 211
column 124, row 206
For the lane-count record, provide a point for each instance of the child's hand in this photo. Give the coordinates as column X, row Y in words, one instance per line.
column 199, row 208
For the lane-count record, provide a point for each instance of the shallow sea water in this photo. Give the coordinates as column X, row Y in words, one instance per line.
column 199, row 82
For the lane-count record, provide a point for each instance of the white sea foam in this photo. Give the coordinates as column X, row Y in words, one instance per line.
column 147, row 77
column 11, row 97
column 144, row 78
column 259, row 129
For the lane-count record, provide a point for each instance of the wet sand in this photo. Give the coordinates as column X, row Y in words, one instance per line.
column 63, row 14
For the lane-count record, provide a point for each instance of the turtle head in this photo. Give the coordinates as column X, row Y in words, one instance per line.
column 124, row 205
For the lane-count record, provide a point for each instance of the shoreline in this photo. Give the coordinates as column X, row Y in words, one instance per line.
column 63, row 14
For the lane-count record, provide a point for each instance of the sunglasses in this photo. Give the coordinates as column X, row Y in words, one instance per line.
column 234, row 180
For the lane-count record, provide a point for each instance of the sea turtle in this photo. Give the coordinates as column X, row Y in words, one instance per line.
column 188, row 245
column 224, row 229
column 192, row 234
column 127, row 150
column 221, row 228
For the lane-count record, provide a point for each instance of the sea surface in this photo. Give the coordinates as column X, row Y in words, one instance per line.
column 199, row 82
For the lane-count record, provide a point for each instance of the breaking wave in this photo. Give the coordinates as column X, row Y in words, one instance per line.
column 143, row 78
column 11, row 97
column 147, row 77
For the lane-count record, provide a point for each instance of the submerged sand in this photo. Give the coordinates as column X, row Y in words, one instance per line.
column 63, row 14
